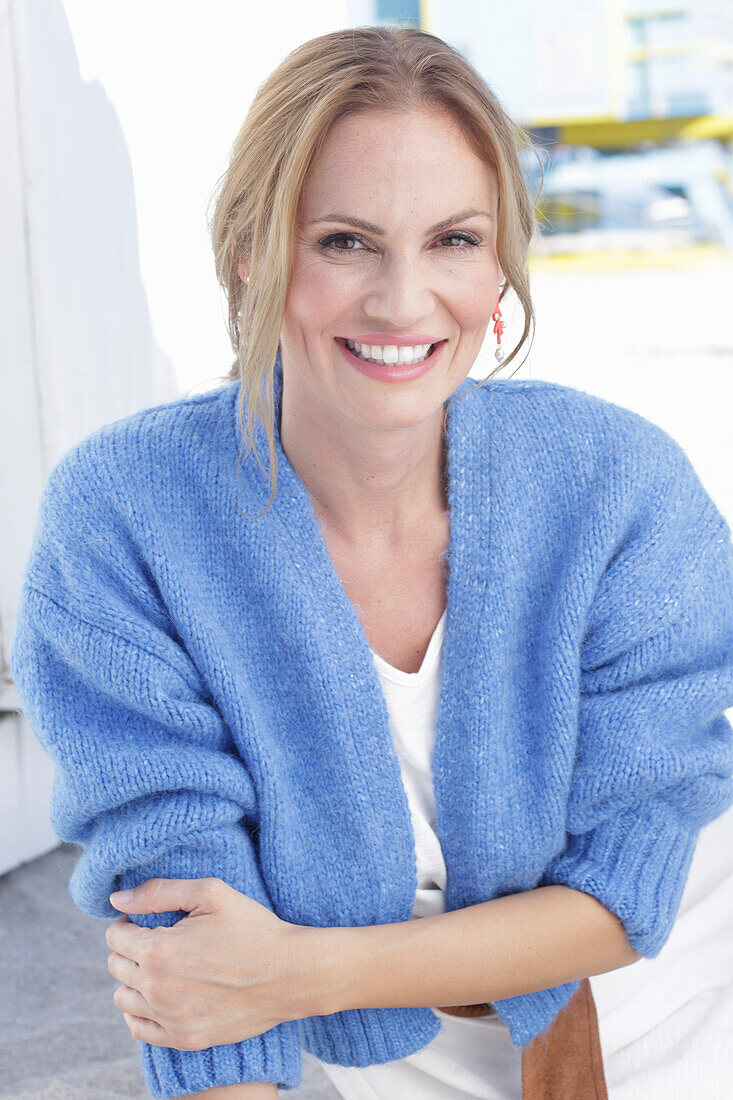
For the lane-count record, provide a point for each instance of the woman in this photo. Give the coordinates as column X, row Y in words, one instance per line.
column 398, row 680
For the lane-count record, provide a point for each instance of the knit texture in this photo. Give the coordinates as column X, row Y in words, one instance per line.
column 207, row 693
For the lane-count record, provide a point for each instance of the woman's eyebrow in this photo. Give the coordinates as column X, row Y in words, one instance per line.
column 369, row 227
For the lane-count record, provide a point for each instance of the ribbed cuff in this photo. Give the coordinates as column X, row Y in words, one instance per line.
column 273, row 1056
column 636, row 864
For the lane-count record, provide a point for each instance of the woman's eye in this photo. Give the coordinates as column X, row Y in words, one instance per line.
column 329, row 243
column 470, row 241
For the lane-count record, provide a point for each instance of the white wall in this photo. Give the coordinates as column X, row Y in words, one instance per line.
column 78, row 345
column 181, row 76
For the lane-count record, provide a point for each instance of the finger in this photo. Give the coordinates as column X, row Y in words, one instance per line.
column 148, row 1031
column 132, row 1001
column 124, row 970
column 164, row 895
column 127, row 938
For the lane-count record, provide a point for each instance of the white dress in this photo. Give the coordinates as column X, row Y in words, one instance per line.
column 471, row 1057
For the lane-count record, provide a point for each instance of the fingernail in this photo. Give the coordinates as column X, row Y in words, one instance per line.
column 121, row 897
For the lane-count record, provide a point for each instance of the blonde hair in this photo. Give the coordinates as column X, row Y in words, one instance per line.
column 256, row 201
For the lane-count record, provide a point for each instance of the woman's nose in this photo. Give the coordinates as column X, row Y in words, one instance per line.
column 401, row 293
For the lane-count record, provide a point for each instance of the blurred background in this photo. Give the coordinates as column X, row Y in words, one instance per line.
column 117, row 119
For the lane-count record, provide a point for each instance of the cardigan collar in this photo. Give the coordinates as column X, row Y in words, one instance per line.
column 355, row 689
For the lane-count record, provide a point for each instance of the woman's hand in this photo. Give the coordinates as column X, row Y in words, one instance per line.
column 223, row 973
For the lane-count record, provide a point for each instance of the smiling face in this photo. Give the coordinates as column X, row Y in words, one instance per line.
column 419, row 269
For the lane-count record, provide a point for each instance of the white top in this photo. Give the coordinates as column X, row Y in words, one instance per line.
column 412, row 703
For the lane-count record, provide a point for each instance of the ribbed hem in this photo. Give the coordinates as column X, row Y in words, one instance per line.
column 273, row 1056
column 372, row 1036
column 368, row 1036
column 636, row 864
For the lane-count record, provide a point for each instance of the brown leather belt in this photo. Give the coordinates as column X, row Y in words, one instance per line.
column 565, row 1060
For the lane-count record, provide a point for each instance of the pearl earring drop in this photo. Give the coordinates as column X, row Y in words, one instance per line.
column 239, row 312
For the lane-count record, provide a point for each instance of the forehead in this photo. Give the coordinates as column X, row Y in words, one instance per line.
column 378, row 161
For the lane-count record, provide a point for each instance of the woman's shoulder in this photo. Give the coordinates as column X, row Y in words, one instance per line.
column 591, row 452
column 576, row 420
column 150, row 438
column 175, row 421
column 148, row 463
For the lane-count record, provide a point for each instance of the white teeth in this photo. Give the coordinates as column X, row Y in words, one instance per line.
column 390, row 353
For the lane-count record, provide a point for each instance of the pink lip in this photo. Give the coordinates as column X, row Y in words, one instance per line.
column 398, row 341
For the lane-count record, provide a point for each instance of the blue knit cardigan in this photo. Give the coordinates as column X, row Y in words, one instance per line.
column 208, row 695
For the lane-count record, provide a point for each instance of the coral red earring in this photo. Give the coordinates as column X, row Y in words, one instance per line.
column 499, row 330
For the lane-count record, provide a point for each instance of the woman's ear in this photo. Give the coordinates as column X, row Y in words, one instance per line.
column 242, row 270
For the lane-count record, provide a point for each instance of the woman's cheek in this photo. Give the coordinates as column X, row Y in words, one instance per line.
column 325, row 288
column 475, row 303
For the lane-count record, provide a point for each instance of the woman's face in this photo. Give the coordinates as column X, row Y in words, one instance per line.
column 400, row 278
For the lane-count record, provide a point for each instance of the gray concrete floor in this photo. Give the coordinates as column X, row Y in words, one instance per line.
column 61, row 1035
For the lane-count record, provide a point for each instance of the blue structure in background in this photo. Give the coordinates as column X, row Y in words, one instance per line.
column 399, row 11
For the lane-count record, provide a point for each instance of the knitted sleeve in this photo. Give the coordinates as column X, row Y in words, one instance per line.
column 147, row 778
column 654, row 753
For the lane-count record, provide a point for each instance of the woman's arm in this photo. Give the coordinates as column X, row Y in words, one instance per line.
column 148, row 780
column 486, row 952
